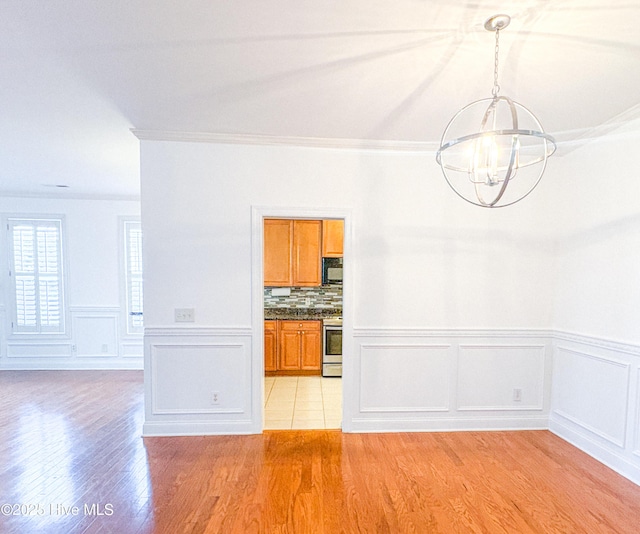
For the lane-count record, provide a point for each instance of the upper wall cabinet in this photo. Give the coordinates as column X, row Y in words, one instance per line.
column 278, row 246
column 332, row 238
column 292, row 252
column 307, row 261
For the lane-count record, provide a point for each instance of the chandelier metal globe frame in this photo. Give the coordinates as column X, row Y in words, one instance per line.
column 494, row 151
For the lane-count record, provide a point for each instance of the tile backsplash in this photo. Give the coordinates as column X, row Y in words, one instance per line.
column 328, row 297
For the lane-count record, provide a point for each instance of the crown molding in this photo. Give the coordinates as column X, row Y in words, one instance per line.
column 279, row 140
column 69, row 196
column 567, row 141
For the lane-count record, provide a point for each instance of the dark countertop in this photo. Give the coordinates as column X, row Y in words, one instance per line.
column 301, row 314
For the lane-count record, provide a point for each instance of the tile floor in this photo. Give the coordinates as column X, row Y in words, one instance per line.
column 302, row 402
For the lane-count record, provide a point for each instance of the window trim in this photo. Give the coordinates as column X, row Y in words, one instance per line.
column 8, row 221
column 129, row 331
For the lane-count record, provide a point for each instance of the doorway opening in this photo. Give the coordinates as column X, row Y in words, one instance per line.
column 300, row 307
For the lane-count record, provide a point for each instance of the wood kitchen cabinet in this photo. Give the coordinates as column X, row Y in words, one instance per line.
column 307, row 259
column 292, row 253
column 332, row 238
column 298, row 348
column 278, row 246
column 270, row 346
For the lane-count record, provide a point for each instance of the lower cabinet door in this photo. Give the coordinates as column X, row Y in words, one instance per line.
column 289, row 346
column 270, row 346
column 311, row 350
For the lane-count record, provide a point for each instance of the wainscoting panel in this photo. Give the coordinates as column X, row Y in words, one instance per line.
column 636, row 430
column 596, row 399
column 3, row 335
column 34, row 349
column 94, row 340
column 132, row 349
column 404, row 377
column 592, row 392
column 501, row 377
column 425, row 380
column 95, row 334
column 198, row 380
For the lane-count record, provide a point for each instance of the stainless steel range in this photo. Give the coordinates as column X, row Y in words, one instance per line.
column 332, row 347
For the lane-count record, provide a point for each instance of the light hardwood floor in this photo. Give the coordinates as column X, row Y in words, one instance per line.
column 73, row 439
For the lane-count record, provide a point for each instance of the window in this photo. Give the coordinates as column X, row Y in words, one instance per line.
column 36, row 274
column 133, row 274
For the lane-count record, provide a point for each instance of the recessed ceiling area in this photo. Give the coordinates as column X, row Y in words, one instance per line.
column 78, row 75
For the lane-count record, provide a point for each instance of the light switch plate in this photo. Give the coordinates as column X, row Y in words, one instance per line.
column 185, row 315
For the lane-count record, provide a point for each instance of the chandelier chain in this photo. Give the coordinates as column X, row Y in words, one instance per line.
column 496, row 87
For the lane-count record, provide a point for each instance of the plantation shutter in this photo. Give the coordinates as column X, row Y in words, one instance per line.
column 133, row 253
column 37, row 275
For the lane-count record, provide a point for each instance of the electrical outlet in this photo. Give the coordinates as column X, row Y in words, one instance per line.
column 517, row 394
column 105, row 347
column 184, row 315
column 307, row 301
column 215, row 398
column 74, row 347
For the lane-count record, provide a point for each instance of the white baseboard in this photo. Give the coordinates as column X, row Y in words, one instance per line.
column 75, row 365
column 198, row 428
column 449, row 424
column 605, row 455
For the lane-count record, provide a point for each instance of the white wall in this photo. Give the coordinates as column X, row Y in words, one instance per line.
column 598, row 217
column 596, row 375
column 95, row 318
column 437, row 285
column 423, row 257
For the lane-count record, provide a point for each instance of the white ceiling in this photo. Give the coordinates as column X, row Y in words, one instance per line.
column 77, row 75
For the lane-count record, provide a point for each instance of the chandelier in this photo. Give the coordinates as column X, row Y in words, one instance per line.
column 494, row 151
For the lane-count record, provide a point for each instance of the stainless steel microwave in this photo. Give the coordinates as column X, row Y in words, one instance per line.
column 331, row 270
